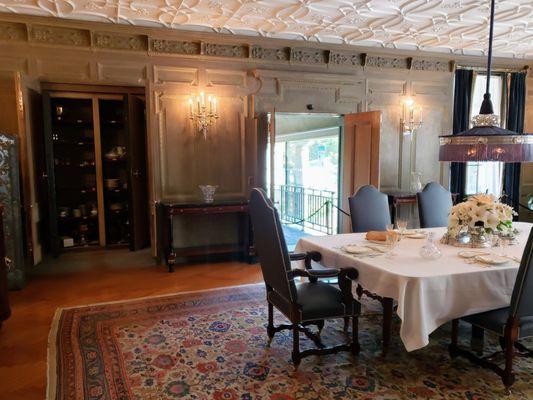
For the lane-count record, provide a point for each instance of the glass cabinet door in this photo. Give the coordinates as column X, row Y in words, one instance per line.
column 74, row 167
column 115, row 170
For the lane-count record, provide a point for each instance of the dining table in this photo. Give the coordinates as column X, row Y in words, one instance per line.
column 428, row 292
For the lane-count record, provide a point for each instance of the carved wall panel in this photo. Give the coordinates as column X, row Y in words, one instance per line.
column 64, row 69
column 386, row 62
column 337, row 58
column 168, row 74
column 123, row 73
column 423, row 64
column 384, row 95
column 12, row 31
column 188, row 159
column 58, row 35
column 221, row 77
column 309, row 56
column 174, row 46
column 115, row 41
column 13, row 64
column 225, row 50
column 271, row 54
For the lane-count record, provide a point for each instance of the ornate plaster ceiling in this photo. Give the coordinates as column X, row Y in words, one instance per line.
column 451, row 26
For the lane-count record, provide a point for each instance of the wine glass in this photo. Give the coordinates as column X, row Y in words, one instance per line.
column 504, row 242
column 401, row 224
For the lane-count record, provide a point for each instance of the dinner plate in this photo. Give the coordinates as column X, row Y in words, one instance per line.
column 381, row 242
column 415, row 235
column 355, row 249
column 379, row 248
column 472, row 253
column 492, row 259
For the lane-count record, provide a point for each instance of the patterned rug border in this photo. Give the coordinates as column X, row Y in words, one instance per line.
column 51, row 362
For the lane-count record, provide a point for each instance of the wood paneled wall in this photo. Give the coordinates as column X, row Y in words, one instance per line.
column 250, row 76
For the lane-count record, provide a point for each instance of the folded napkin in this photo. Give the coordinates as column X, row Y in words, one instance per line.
column 376, row 236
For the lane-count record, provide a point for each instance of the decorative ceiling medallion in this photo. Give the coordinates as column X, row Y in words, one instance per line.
column 452, row 26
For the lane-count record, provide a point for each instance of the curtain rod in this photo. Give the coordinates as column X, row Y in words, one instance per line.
column 525, row 68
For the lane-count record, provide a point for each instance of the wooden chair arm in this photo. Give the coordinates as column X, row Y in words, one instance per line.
column 306, row 257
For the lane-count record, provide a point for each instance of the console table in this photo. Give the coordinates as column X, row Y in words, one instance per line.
column 167, row 212
column 398, row 198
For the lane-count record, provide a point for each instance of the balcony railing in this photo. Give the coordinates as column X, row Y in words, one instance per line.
column 310, row 208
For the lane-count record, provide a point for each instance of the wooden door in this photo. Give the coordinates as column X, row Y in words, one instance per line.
column 139, row 222
column 49, row 174
column 263, row 159
column 360, row 155
column 33, row 105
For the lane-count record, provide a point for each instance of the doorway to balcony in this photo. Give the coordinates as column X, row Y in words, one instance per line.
column 303, row 171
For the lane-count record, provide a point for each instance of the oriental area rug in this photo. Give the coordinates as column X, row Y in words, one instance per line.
column 213, row 345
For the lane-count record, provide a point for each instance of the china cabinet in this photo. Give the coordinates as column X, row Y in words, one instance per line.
column 95, row 169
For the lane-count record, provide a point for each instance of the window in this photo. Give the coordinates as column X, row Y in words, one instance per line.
column 485, row 177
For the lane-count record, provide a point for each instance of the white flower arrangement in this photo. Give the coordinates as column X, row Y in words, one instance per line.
column 481, row 210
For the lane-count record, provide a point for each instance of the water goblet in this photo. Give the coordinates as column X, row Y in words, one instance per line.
column 392, row 240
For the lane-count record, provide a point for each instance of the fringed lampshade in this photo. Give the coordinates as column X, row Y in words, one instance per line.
column 486, row 141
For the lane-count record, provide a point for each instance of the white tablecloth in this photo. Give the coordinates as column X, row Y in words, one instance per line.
column 429, row 293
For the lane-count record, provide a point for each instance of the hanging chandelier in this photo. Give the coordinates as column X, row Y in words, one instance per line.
column 486, row 141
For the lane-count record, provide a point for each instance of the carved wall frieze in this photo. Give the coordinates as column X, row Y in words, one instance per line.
column 113, row 41
column 225, row 50
column 422, row 64
column 58, row 35
column 310, row 56
column 344, row 58
column 12, row 31
column 386, row 62
column 128, row 39
column 174, row 46
column 271, row 54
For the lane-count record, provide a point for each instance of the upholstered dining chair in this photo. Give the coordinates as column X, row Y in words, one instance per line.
column 369, row 210
column 510, row 323
column 305, row 303
column 434, row 204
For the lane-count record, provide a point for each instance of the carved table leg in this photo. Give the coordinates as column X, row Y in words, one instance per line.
column 387, row 323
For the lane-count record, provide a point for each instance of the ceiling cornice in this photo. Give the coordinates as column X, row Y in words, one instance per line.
column 37, row 30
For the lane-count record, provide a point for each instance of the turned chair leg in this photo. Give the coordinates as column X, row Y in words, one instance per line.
column 320, row 326
column 270, row 328
column 508, row 376
column 346, row 323
column 295, row 345
column 355, row 347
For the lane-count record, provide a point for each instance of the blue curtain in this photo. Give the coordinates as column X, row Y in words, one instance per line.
column 515, row 122
column 462, row 100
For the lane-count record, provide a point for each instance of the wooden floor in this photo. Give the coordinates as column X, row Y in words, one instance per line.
column 84, row 278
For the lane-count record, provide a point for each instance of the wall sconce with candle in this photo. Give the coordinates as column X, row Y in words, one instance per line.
column 411, row 116
column 203, row 114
